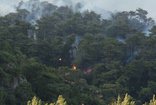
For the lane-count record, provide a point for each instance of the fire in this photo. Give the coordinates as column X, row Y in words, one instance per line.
column 85, row 72
column 60, row 59
column 74, row 67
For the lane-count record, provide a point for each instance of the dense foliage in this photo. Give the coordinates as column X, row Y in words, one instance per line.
column 86, row 59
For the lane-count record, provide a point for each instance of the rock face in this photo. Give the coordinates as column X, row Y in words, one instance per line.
column 17, row 81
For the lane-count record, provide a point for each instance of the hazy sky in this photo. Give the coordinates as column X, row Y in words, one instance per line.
column 109, row 5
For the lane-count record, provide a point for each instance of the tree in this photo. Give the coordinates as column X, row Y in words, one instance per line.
column 35, row 101
column 24, row 92
column 145, row 94
column 147, row 47
column 135, row 76
column 134, row 43
column 3, row 95
column 153, row 31
column 93, row 28
column 22, row 14
column 46, row 26
column 121, row 29
column 91, row 17
column 126, row 101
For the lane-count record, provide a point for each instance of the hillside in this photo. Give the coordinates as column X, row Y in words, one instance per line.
column 47, row 51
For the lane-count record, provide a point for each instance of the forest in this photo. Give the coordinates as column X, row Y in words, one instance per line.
column 49, row 51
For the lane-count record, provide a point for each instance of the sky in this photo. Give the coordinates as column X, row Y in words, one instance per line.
column 7, row 6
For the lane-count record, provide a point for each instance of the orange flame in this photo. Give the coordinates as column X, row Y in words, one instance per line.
column 74, row 67
column 85, row 72
column 60, row 59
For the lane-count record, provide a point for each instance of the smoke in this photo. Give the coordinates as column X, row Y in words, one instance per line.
column 8, row 6
column 36, row 9
column 90, row 5
column 103, row 7
column 121, row 40
column 112, row 5
column 39, row 8
column 149, row 27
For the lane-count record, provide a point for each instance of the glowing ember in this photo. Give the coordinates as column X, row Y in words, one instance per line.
column 60, row 59
column 74, row 67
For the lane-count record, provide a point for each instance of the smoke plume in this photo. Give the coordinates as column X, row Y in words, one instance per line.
column 38, row 8
column 8, row 6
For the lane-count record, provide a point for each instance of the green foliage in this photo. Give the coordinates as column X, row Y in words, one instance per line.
column 119, row 30
column 145, row 94
column 3, row 95
column 24, row 92
column 112, row 57
column 98, row 48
